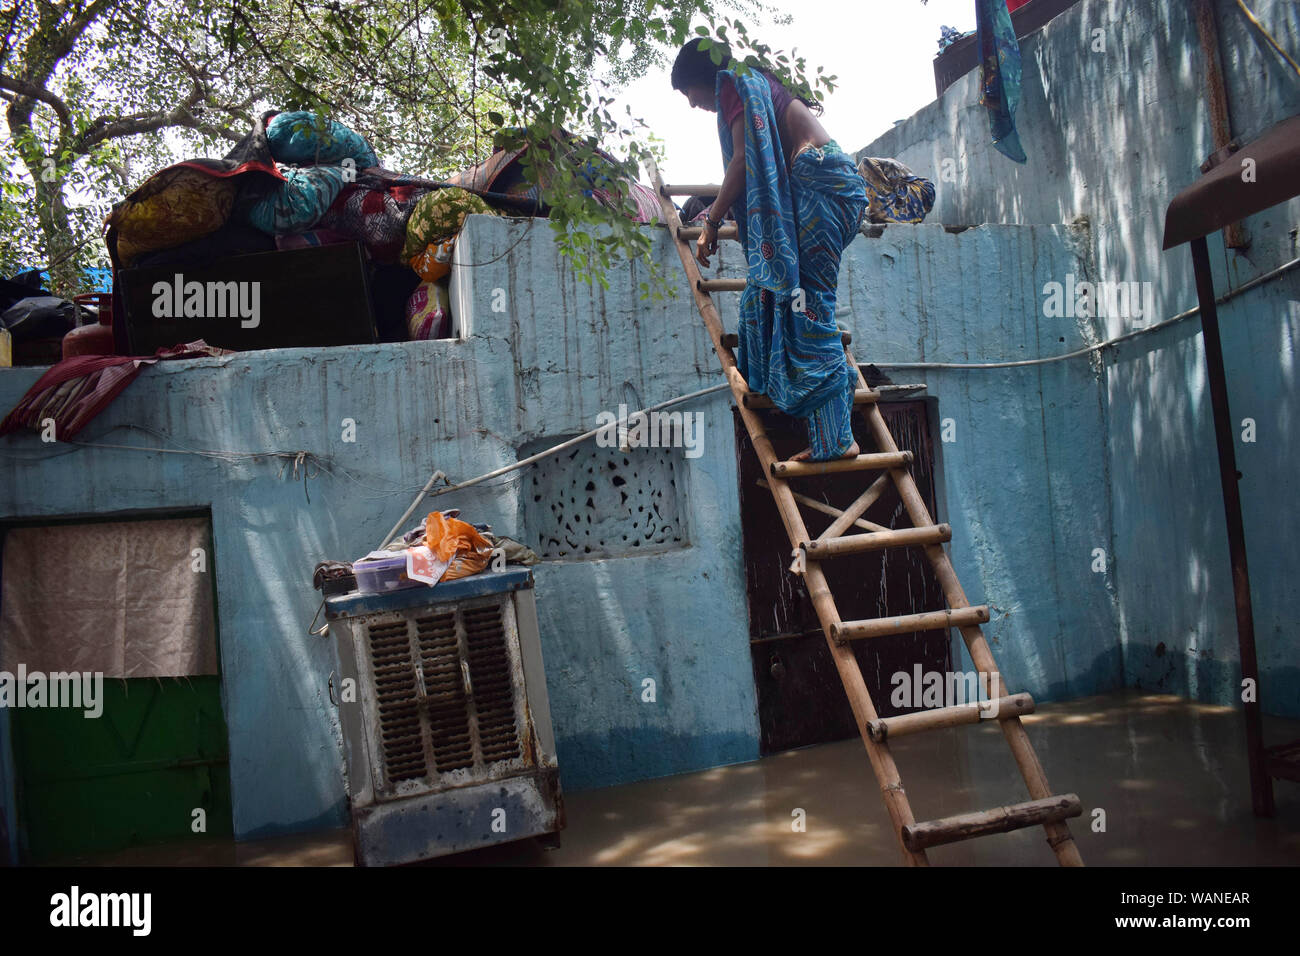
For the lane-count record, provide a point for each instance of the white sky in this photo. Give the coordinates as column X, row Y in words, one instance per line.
column 882, row 51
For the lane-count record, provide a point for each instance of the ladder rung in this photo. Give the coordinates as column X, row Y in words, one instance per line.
column 693, row 232
column 690, row 190
column 1001, row 708
column 873, row 462
column 722, row 285
column 863, row 396
column 876, row 541
column 920, row 836
column 908, row 623
column 731, row 340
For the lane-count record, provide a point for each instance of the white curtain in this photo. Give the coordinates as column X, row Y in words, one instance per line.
column 125, row 598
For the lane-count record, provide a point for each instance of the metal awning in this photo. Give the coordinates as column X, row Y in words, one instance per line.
column 1222, row 196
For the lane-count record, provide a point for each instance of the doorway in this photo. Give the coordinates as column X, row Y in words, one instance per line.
column 125, row 611
column 800, row 698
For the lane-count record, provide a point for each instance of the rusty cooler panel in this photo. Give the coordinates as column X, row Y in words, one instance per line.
column 447, row 729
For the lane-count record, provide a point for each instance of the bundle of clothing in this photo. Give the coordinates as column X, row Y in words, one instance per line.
column 503, row 173
column 299, row 180
column 894, row 192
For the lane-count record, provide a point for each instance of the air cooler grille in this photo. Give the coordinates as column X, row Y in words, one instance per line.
column 489, row 670
column 449, row 731
column 448, row 712
column 399, row 718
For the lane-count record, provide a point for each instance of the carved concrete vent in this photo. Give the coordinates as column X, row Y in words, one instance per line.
column 593, row 502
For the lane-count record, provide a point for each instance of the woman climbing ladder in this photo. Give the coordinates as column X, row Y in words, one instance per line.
column 797, row 200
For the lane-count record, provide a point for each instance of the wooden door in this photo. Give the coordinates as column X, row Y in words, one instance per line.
column 800, row 698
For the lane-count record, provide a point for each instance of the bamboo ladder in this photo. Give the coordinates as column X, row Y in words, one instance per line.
column 1045, row 809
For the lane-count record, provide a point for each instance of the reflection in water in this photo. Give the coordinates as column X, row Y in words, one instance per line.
column 1170, row 775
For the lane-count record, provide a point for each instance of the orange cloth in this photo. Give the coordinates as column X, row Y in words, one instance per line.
column 458, row 542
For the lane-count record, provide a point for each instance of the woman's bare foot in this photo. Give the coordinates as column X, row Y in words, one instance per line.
column 806, row 454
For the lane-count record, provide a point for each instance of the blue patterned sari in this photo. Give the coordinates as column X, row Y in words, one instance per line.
column 794, row 224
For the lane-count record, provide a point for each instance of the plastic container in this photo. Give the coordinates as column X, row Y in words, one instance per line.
column 381, row 575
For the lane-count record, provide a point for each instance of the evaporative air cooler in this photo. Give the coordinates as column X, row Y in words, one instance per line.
column 448, row 734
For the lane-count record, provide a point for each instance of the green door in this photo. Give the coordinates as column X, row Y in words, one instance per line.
column 130, row 777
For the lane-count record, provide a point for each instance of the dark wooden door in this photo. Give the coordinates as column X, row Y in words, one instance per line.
column 800, row 698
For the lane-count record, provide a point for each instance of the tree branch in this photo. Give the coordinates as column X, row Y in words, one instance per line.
column 33, row 92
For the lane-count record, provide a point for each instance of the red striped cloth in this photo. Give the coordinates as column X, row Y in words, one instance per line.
column 77, row 389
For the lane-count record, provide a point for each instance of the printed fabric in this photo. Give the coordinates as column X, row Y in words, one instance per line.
column 1000, row 56
column 304, row 138
column 296, row 204
column 374, row 211
column 894, row 192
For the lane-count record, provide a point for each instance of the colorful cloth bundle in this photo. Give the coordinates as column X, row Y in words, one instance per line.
column 438, row 216
column 304, row 138
column 428, row 311
column 299, row 202
column 431, row 231
column 176, row 205
column 503, row 173
column 374, row 211
column 894, row 192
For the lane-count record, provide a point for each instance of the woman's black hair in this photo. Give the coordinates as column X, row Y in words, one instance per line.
column 695, row 67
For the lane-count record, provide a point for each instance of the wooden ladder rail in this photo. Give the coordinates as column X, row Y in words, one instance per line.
column 913, row 837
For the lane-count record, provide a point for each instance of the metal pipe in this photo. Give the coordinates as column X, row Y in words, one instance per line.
column 1216, row 94
column 1261, row 787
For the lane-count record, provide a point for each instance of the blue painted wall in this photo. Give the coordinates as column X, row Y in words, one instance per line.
column 1023, row 461
column 1114, row 130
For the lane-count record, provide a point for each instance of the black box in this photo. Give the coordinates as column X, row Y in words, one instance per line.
column 266, row 300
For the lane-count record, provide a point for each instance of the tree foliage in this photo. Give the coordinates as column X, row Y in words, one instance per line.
column 100, row 93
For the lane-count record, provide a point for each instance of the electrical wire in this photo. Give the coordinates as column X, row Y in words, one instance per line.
column 1267, row 36
column 1195, row 310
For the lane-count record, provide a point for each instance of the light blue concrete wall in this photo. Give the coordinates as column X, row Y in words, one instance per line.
column 1025, row 483
column 1112, row 136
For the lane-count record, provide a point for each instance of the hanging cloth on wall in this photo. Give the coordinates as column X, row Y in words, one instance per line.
column 120, row 598
column 78, row 388
column 1000, row 58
